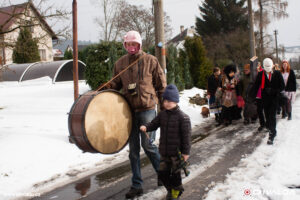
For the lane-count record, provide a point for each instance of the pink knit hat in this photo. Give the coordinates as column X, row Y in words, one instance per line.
column 132, row 36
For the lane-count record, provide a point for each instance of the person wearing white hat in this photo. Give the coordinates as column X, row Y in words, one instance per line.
column 271, row 83
column 143, row 85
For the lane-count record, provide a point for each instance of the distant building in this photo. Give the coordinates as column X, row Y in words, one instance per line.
column 178, row 40
column 58, row 54
column 67, row 45
column 11, row 18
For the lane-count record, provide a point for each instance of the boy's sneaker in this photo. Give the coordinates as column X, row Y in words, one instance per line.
column 134, row 192
column 175, row 194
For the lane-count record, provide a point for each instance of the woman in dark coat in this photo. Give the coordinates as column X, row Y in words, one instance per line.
column 214, row 84
column 290, row 88
column 229, row 97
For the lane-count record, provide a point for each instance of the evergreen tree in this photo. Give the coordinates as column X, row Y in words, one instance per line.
column 174, row 71
column 186, row 74
column 171, row 64
column 26, row 49
column 100, row 62
column 223, row 27
column 68, row 55
column 221, row 16
column 200, row 65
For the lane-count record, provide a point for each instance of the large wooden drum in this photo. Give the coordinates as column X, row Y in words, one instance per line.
column 100, row 122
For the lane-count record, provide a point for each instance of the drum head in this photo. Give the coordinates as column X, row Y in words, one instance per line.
column 108, row 122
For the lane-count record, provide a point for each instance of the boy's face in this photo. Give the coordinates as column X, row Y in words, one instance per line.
column 168, row 105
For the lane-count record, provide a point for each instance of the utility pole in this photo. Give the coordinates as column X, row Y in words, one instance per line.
column 251, row 31
column 253, row 58
column 75, row 49
column 160, row 51
column 276, row 33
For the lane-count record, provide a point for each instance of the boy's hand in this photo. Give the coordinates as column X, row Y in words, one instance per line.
column 185, row 157
column 143, row 129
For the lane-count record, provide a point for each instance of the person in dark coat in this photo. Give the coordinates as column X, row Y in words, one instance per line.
column 290, row 88
column 214, row 84
column 271, row 83
column 249, row 111
column 175, row 135
column 229, row 97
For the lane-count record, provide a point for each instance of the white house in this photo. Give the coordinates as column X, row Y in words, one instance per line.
column 178, row 40
column 15, row 16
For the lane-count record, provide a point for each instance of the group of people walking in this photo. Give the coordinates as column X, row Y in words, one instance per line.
column 144, row 86
column 272, row 89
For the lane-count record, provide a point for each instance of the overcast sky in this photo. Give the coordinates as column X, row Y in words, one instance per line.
column 181, row 12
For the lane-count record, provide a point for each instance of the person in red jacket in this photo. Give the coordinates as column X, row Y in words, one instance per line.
column 175, row 135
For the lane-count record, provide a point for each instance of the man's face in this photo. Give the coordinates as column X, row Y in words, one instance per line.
column 132, row 44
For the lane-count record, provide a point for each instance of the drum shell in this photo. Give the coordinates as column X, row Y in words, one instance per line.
column 76, row 121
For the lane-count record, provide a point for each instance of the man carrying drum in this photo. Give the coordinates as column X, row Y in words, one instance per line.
column 143, row 85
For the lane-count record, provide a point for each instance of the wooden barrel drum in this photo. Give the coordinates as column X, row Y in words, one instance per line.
column 100, row 122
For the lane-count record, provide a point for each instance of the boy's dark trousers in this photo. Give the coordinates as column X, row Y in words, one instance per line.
column 170, row 179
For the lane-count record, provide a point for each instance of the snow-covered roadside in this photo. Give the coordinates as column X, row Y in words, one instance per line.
column 271, row 171
column 35, row 154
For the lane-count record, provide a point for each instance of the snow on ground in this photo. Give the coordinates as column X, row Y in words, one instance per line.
column 271, row 172
column 35, row 155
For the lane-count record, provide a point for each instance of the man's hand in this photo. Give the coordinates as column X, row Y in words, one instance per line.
column 185, row 157
column 106, row 87
column 208, row 96
column 143, row 129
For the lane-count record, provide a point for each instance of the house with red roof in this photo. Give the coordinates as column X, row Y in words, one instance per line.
column 15, row 17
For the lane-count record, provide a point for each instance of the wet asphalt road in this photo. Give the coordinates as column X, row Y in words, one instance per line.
column 214, row 151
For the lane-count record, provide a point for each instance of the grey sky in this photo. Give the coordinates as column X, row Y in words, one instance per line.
column 181, row 12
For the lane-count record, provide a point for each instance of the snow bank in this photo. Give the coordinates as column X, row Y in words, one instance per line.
column 35, row 154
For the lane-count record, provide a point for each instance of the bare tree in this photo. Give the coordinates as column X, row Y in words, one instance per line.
column 120, row 17
column 141, row 19
column 267, row 10
column 110, row 22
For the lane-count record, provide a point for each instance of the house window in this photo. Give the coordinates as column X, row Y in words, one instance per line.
column 42, row 53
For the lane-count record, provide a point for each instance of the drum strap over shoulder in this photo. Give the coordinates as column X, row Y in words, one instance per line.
column 113, row 78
